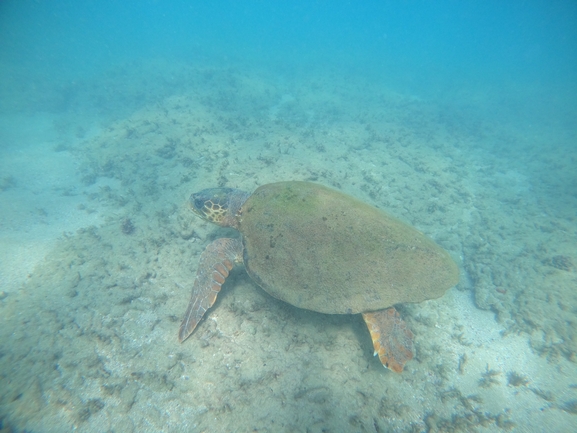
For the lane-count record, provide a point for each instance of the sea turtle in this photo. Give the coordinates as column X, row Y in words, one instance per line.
column 322, row 250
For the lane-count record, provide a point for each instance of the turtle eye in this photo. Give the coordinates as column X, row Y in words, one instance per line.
column 199, row 203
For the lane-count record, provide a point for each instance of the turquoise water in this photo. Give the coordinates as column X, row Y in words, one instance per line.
column 457, row 118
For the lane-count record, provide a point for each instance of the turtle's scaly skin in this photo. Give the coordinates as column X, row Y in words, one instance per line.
column 322, row 250
column 392, row 340
column 216, row 261
column 219, row 205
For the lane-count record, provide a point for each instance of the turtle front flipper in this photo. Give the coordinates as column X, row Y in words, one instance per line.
column 392, row 339
column 216, row 261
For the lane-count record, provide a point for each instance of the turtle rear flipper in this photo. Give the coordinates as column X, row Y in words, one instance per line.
column 392, row 339
column 216, row 261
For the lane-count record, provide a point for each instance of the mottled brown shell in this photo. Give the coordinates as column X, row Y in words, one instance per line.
column 322, row 250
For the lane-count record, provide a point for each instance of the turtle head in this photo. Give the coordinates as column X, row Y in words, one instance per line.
column 219, row 205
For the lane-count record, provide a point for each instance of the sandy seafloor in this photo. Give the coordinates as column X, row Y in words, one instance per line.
column 89, row 310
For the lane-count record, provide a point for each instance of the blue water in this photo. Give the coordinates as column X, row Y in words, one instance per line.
column 420, row 44
column 458, row 117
